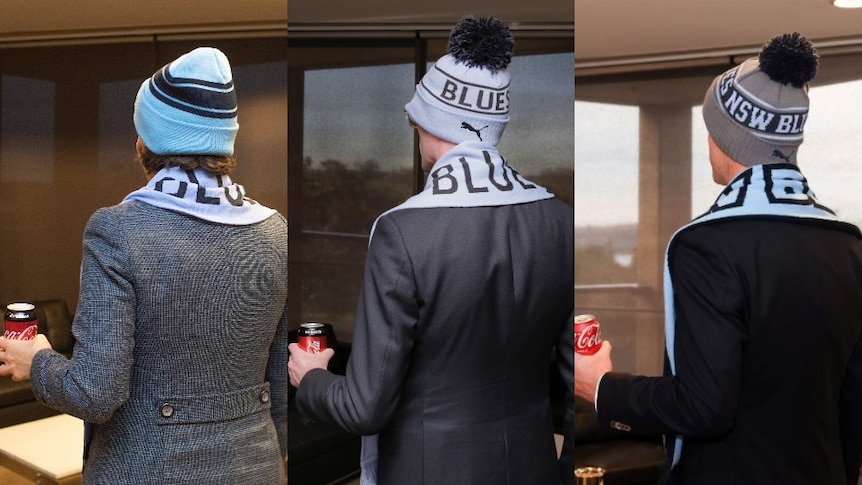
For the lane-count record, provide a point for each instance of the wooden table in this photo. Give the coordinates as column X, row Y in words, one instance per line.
column 47, row 451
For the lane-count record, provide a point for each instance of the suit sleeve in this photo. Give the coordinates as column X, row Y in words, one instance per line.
column 95, row 382
column 363, row 400
column 701, row 399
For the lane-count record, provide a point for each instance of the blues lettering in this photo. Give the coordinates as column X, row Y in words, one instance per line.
column 503, row 101
column 504, row 188
column 234, row 201
column 791, row 123
column 490, row 100
column 449, row 89
column 473, row 97
column 517, row 177
column 726, row 83
column 436, row 177
column 181, row 190
column 444, row 180
column 468, row 178
column 462, row 101
column 203, row 199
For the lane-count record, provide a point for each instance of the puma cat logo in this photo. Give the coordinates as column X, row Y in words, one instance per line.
column 467, row 126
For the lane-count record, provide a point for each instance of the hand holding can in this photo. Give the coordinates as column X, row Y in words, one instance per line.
column 312, row 337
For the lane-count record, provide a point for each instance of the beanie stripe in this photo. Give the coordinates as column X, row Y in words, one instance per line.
column 782, row 124
column 188, row 107
column 484, row 99
column 200, row 97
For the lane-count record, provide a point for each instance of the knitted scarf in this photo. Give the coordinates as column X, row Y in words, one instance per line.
column 200, row 194
column 774, row 190
column 472, row 174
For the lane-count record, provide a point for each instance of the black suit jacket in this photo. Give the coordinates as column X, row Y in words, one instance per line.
column 460, row 313
column 768, row 356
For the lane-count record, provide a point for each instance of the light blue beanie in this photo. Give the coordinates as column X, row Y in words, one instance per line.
column 188, row 107
column 465, row 95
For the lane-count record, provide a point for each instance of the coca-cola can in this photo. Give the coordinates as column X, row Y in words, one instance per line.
column 588, row 336
column 20, row 321
column 312, row 337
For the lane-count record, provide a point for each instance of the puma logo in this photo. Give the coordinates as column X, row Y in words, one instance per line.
column 777, row 153
column 467, row 126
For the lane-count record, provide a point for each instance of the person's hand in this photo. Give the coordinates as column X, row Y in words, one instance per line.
column 16, row 356
column 588, row 370
column 301, row 362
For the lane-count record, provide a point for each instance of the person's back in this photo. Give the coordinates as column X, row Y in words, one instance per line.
column 794, row 289
column 491, row 286
column 763, row 378
column 467, row 293
column 208, row 301
column 181, row 323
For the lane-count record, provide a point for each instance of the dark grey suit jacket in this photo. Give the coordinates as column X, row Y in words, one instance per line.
column 460, row 313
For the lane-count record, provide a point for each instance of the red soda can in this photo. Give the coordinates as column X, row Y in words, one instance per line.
column 20, row 322
column 312, row 337
column 588, row 336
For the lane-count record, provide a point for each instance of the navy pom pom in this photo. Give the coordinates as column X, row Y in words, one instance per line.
column 484, row 42
column 789, row 59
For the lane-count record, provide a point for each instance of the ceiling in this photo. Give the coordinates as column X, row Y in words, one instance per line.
column 613, row 31
column 28, row 20
column 393, row 12
column 606, row 31
column 35, row 20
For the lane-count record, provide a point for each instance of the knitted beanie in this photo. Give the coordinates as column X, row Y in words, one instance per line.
column 756, row 111
column 465, row 95
column 188, row 107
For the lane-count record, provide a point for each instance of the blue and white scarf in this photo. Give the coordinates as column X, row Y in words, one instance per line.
column 774, row 190
column 472, row 174
column 200, row 194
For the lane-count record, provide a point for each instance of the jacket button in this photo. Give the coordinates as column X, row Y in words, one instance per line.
column 167, row 410
column 620, row 426
column 264, row 396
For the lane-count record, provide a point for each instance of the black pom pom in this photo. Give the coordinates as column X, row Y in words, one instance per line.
column 484, row 42
column 789, row 59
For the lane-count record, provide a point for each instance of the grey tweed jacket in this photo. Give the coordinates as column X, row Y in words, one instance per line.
column 181, row 352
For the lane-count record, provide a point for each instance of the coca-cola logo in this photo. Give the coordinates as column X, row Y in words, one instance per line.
column 312, row 344
column 588, row 340
column 26, row 334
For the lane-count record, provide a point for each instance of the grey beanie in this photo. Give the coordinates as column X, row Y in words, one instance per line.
column 465, row 95
column 756, row 111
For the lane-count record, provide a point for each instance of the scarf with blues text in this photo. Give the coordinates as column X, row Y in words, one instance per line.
column 773, row 190
column 201, row 194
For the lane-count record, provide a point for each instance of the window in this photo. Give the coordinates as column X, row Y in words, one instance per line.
column 353, row 155
column 606, row 195
column 67, row 145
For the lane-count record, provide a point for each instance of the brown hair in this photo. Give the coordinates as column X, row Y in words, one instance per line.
column 214, row 164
